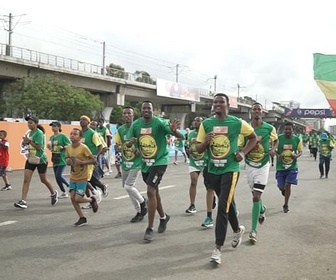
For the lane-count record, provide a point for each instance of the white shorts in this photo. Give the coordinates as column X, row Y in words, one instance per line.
column 257, row 176
column 195, row 169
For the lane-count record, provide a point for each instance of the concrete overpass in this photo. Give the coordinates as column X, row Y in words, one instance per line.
column 18, row 63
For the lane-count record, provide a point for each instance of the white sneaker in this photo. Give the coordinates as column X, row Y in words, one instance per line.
column 253, row 237
column 98, row 193
column 63, row 195
column 87, row 206
column 238, row 237
column 216, row 256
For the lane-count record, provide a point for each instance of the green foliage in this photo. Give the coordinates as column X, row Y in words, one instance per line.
column 48, row 97
column 116, row 71
column 144, row 77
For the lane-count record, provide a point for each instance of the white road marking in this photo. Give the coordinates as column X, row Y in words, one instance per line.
column 144, row 192
column 7, row 223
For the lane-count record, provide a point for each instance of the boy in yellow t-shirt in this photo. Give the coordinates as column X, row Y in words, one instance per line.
column 80, row 158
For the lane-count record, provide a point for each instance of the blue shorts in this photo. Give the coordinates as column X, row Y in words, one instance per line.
column 78, row 187
column 286, row 176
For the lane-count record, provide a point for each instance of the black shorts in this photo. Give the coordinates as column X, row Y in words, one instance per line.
column 41, row 168
column 154, row 176
column 3, row 171
column 206, row 178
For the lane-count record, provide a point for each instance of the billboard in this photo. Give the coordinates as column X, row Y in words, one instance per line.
column 311, row 113
column 176, row 90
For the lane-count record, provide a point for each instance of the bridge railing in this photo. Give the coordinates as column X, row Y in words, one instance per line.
column 72, row 64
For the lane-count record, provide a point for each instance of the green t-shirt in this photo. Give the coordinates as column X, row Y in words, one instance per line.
column 37, row 137
column 179, row 143
column 313, row 141
column 286, row 147
column 259, row 155
column 129, row 159
column 224, row 145
column 325, row 147
column 152, row 141
column 91, row 140
column 56, row 142
column 197, row 160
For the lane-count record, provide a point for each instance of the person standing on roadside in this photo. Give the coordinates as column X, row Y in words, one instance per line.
column 218, row 135
column 57, row 143
column 36, row 159
column 130, row 165
column 288, row 150
column 4, row 159
column 258, row 165
column 150, row 133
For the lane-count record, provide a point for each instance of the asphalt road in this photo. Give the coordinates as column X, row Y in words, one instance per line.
column 42, row 243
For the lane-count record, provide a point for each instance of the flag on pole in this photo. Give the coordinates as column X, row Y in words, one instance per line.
column 325, row 76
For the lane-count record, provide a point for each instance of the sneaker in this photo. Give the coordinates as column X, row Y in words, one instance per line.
column 191, row 209
column 262, row 216
column 253, row 237
column 118, row 175
column 63, row 195
column 94, row 204
column 105, row 191
column 321, row 176
column 98, row 194
column 137, row 218
column 21, row 204
column 54, row 198
column 149, row 234
column 285, row 208
column 238, row 236
column 163, row 224
column 143, row 207
column 208, row 223
column 81, row 222
column 216, row 256
column 175, row 162
column 6, row 188
column 87, row 206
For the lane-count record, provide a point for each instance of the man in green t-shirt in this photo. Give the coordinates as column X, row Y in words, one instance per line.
column 288, row 150
column 130, row 165
column 218, row 136
column 150, row 133
column 258, row 165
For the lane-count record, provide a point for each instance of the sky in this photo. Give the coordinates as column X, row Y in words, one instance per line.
column 264, row 46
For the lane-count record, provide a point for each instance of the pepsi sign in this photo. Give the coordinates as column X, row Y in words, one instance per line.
column 311, row 113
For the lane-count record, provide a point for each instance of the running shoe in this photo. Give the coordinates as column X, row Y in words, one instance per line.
column 63, row 195
column 149, row 234
column 137, row 218
column 191, row 209
column 143, row 207
column 163, row 224
column 105, row 191
column 21, row 204
column 6, row 188
column 238, row 237
column 54, row 198
column 94, row 204
column 262, row 216
column 208, row 223
column 87, row 206
column 285, row 208
column 81, row 222
column 253, row 236
column 216, row 256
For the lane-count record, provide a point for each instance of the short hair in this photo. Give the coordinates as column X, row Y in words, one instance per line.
column 257, row 103
column 289, row 124
column 79, row 130
column 224, row 95
column 147, row 101
column 4, row 132
column 128, row 107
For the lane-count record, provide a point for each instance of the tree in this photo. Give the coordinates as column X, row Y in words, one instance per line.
column 144, row 77
column 116, row 71
column 48, row 97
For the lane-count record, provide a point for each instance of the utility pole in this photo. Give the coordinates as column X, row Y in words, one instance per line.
column 239, row 87
column 10, row 32
column 176, row 73
column 104, row 57
column 215, row 84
